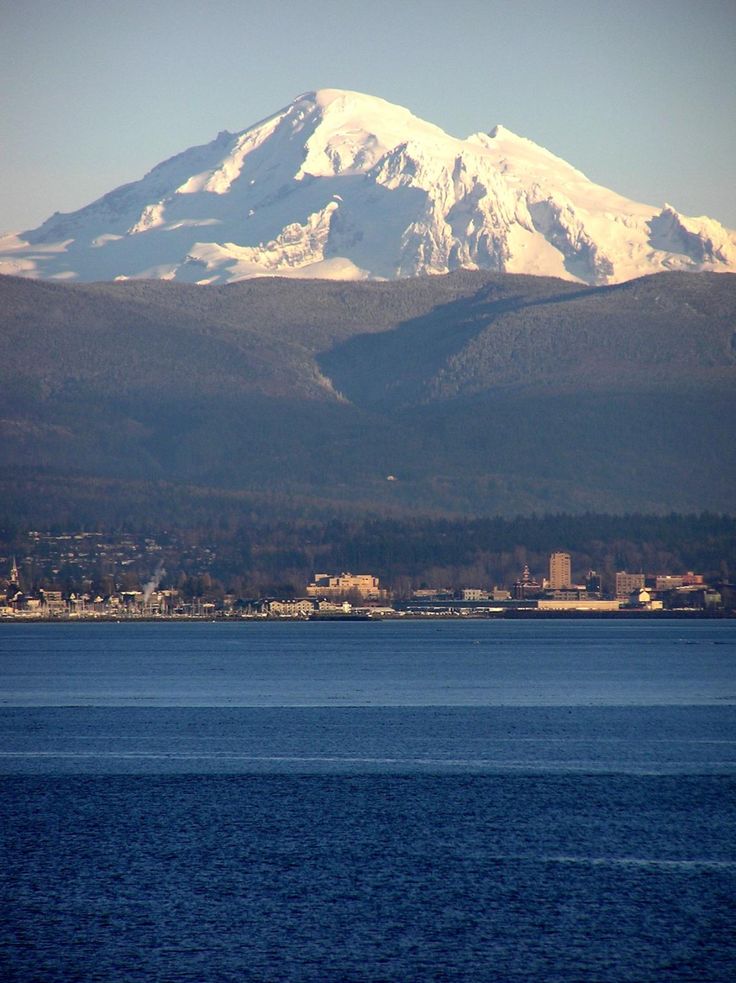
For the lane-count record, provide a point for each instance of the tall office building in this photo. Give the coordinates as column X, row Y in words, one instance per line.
column 559, row 571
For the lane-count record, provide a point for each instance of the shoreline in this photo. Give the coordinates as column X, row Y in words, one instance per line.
column 524, row 615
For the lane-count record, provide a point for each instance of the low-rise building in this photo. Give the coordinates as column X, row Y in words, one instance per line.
column 474, row 594
column 499, row 594
column 568, row 594
column 53, row 601
column 643, row 599
column 695, row 597
column 293, row 607
column 429, row 593
column 671, row 581
column 334, row 607
column 627, row 583
column 582, row 603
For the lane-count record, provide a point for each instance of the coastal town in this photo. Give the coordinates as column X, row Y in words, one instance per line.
column 354, row 596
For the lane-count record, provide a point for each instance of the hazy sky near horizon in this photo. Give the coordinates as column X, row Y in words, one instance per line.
column 639, row 96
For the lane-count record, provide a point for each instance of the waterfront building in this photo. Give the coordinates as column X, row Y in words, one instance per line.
column 474, row 594
column 53, row 601
column 429, row 593
column 593, row 604
column 293, row 607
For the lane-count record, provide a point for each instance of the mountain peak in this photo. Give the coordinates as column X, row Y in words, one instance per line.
column 499, row 132
column 327, row 97
column 343, row 184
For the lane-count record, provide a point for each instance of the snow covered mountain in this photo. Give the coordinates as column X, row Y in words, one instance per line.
column 346, row 186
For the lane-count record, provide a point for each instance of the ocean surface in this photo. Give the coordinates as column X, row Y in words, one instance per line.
column 399, row 801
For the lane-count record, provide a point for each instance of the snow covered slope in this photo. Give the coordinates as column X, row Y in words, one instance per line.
column 347, row 186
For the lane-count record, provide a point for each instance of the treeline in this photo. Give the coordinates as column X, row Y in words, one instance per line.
column 251, row 555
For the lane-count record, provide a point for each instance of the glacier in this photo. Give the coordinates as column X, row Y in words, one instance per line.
column 342, row 185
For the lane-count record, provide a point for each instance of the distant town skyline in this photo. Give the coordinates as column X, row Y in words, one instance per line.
column 89, row 596
column 640, row 98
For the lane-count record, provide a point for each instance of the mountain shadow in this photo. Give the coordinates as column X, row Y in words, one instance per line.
column 472, row 393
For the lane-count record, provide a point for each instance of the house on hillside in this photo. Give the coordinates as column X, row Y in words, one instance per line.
column 364, row 585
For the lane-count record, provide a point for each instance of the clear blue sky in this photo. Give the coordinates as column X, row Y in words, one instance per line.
column 641, row 96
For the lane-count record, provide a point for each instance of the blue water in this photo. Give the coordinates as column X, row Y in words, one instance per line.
column 479, row 663
column 347, row 801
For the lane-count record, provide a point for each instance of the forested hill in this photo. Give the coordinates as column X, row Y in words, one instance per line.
column 249, row 554
column 470, row 393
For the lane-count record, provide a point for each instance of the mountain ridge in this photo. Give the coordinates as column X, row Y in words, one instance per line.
column 480, row 393
column 342, row 185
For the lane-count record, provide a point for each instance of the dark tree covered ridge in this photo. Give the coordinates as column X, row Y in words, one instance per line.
column 480, row 394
